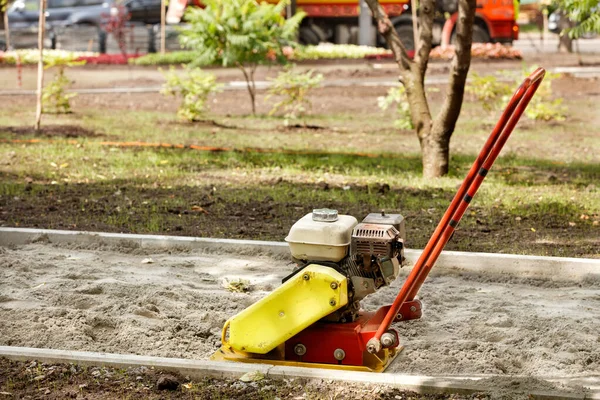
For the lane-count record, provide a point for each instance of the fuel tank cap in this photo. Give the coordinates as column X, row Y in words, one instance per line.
column 324, row 215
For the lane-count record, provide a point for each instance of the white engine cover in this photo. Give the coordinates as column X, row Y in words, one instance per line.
column 321, row 241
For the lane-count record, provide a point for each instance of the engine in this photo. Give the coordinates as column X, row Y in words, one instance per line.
column 370, row 253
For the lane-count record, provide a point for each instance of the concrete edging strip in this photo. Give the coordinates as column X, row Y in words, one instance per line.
column 203, row 368
column 556, row 268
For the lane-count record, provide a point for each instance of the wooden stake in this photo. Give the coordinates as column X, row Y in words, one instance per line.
column 40, row 80
column 413, row 6
column 163, row 13
column 6, row 28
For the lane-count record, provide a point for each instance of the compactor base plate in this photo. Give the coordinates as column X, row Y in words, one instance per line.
column 276, row 357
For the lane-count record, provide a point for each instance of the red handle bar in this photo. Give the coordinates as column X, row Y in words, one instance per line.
column 509, row 118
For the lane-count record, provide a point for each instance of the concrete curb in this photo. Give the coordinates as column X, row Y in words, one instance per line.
column 555, row 268
column 202, row 368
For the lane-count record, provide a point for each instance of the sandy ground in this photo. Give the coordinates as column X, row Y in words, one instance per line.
column 109, row 300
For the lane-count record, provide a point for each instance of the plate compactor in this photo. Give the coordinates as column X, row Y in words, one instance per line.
column 314, row 318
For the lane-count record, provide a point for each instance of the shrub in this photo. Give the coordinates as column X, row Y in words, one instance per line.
column 242, row 33
column 488, row 91
column 543, row 105
column 332, row 51
column 55, row 99
column 108, row 59
column 28, row 57
column 546, row 111
column 325, row 51
column 172, row 58
column 492, row 94
column 397, row 96
column 294, row 87
column 194, row 87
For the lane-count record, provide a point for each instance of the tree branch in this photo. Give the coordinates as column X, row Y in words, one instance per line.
column 448, row 115
column 410, row 73
column 387, row 30
column 423, row 47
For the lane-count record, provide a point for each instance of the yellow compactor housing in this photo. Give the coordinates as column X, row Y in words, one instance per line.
column 305, row 298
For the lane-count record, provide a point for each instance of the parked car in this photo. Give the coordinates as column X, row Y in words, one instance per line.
column 25, row 13
column 61, row 15
column 144, row 11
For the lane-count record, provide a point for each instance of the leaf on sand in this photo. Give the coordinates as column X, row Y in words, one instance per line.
column 237, row 285
column 199, row 209
column 39, row 286
column 253, row 376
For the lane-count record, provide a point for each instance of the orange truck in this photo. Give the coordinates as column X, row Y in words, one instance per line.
column 337, row 21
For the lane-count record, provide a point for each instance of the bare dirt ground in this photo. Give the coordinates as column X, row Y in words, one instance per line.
column 33, row 380
column 114, row 300
column 325, row 100
column 101, row 76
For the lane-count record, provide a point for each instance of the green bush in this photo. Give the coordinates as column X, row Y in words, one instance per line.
column 333, row 51
column 295, row 52
column 488, row 91
column 241, row 33
column 31, row 56
column 546, row 111
column 543, row 105
column 492, row 94
column 55, row 99
column 173, row 58
column 193, row 87
column 294, row 87
column 397, row 96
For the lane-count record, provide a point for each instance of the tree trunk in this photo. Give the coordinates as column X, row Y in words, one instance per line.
column 434, row 134
column 40, row 78
column 435, row 151
column 565, row 43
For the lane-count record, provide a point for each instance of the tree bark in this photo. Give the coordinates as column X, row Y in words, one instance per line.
column 40, row 77
column 565, row 43
column 434, row 135
column 445, row 122
column 435, row 151
column 412, row 72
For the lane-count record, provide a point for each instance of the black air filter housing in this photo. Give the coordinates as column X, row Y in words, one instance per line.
column 396, row 220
